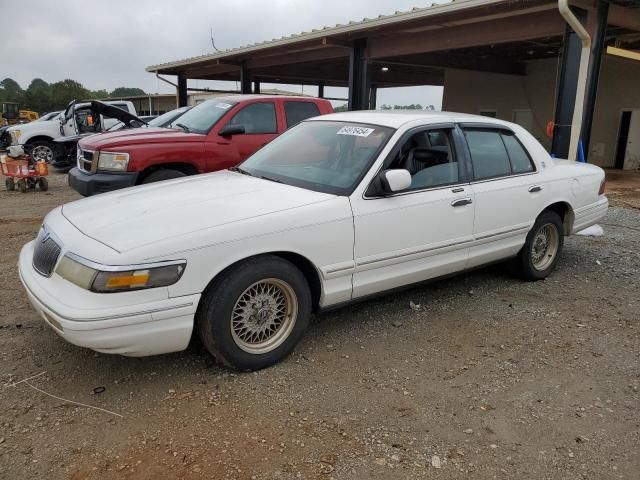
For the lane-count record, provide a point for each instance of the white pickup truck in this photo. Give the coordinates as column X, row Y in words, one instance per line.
column 76, row 119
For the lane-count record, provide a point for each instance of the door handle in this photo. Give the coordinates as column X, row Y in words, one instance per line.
column 535, row 188
column 461, row 202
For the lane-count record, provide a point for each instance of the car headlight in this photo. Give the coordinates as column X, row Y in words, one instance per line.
column 116, row 162
column 107, row 279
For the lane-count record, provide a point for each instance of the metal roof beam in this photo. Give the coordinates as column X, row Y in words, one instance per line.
column 518, row 28
column 300, row 57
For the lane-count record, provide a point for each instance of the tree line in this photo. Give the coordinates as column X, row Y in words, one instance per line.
column 413, row 106
column 44, row 97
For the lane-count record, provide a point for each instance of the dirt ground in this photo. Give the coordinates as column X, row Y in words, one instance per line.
column 481, row 376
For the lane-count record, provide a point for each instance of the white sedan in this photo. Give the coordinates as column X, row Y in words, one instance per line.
column 338, row 208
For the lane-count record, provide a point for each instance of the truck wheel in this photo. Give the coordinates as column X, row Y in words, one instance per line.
column 255, row 314
column 542, row 249
column 164, row 174
column 42, row 150
column 10, row 184
column 43, row 184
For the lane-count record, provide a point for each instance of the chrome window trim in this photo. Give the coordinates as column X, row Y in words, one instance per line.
column 503, row 177
column 410, row 192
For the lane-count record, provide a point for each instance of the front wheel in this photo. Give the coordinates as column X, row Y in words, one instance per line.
column 163, row 174
column 42, row 150
column 255, row 314
column 10, row 184
column 542, row 249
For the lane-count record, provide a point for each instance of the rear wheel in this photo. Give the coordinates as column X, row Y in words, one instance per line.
column 164, row 174
column 42, row 150
column 255, row 314
column 10, row 184
column 542, row 249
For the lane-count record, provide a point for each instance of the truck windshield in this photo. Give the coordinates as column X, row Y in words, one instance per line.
column 325, row 156
column 202, row 117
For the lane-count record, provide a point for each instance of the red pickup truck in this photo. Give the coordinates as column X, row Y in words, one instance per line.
column 213, row 135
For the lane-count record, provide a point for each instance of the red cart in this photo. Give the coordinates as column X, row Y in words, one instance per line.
column 24, row 173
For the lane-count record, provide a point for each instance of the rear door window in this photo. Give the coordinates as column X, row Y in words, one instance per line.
column 520, row 160
column 497, row 153
column 257, row 118
column 299, row 111
column 488, row 154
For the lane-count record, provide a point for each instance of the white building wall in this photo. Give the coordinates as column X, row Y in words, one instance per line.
column 619, row 90
column 473, row 92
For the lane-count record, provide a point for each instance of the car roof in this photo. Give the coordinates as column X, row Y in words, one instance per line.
column 240, row 98
column 398, row 118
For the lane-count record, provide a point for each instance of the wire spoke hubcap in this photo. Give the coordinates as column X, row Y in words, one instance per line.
column 264, row 315
column 545, row 246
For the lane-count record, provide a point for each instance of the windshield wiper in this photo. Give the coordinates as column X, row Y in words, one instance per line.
column 183, row 126
column 239, row 170
column 270, row 179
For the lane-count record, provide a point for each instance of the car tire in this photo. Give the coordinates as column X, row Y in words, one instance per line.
column 542, row 249
column 163, row 174
column 253, row 315
column 42, row 150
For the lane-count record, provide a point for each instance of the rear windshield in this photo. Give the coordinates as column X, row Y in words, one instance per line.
column 203, row 116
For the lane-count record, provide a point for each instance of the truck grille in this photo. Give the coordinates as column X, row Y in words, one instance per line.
column 45, row 254
column 85, row 160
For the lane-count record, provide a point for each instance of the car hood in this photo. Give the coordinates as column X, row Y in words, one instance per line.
column 169, row 211
column 112, row 111
column 136, row 136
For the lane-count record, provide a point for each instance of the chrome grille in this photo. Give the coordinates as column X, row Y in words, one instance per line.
column 85, row 160
column 45, row 254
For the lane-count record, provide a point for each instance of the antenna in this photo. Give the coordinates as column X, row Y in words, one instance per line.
column 213, row 43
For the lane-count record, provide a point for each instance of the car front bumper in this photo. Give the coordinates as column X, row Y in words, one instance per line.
column 138, row 330
column 91, row 184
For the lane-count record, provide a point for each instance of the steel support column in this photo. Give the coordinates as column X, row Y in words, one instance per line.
column 567, row 87
column 245, row 79
column 256, row 86
column 321, row 90
column 182, row 91
column 359, row 76
column 373, row 97
column 598, row 39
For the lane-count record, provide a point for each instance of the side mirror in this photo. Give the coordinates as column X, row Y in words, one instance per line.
column 396, row 180
column 229, row 130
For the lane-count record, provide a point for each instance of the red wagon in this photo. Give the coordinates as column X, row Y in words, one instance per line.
column 24, row 173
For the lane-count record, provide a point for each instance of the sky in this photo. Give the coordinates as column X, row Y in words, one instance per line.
column 105, row 44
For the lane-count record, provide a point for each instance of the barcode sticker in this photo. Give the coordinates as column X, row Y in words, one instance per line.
column 356, row 131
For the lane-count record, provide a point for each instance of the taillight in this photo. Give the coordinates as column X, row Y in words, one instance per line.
column 603, row 185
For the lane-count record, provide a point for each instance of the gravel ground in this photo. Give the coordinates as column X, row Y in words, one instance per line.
column 478, row 376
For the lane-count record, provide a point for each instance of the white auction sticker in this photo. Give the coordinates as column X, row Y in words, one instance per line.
column 224, row 106
column 356, row 131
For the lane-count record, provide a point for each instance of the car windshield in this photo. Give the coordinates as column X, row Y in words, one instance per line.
column 203, row 116
column 325, row 156
column 166, row 119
